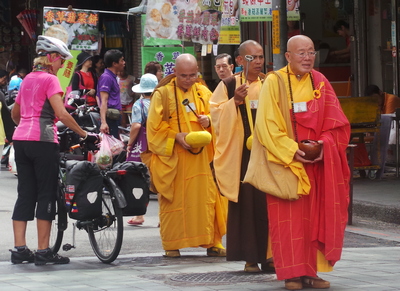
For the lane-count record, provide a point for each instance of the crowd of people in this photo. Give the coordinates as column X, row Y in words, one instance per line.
column 200, row 144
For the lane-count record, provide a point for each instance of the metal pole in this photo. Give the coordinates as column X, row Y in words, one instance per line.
column 279, row 33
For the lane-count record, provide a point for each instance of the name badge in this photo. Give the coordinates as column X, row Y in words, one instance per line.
column 253, row 104
column 300, row 107
column 191, row 105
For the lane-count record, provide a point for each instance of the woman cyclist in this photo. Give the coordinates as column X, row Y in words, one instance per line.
column 37, row 108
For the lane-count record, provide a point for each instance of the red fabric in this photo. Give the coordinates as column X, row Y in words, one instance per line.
column 317, row 221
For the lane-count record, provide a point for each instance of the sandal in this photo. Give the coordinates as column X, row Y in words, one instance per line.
column 315, row 282
column 251, row 268
column 216, row 252
column 294, row 284
column 135, row 221
column 172, row 254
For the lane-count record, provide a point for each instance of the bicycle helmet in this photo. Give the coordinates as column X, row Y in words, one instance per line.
column 52, row 44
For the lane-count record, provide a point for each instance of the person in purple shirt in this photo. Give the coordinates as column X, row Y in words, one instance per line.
column 108, row 92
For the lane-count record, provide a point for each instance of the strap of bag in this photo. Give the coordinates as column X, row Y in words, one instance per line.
column 144, row 118
column 230, row 84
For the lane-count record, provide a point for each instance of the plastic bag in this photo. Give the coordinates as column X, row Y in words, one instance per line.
column 104, row 155
column 116, row 145
column 12, row 166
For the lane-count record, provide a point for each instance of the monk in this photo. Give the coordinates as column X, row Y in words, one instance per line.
column 247, row 229
column 306, row 234
column 191, row 210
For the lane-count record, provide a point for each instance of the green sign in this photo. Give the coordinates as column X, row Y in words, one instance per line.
column 67, row 71
column 166, row 56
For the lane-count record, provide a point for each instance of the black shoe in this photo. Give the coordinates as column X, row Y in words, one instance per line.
column 42, row 258
column 23, row 256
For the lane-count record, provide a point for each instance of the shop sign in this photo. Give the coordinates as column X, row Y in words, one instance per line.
column 151, row 41
column 261, row 10
column 166, row 56
column 81, row 25
column 196, row 20
column 230, row 26
column 65, row 73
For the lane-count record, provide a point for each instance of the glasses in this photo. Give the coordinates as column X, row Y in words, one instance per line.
column 221, row 67
column 187, row 77
column 303, row 55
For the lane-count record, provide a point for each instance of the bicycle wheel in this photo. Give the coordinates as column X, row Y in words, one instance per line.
column 106, row 232
column 59, row 223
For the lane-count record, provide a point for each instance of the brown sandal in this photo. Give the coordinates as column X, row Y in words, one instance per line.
column 315, row 282
column 293, row 284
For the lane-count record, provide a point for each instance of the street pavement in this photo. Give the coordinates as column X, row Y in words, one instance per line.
column 370, row 259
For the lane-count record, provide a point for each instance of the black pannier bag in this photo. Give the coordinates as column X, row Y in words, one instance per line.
column 84, row 188
column 135, row 186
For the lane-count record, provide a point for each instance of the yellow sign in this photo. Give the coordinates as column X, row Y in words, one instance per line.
column 276, row 44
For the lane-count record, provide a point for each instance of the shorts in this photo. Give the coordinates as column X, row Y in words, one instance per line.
column 37, row 164
column 127, row 107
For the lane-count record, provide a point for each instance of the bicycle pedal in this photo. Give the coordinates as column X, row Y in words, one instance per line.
column 67, row 247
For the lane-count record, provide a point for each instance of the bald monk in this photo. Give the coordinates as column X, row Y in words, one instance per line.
column 306, row 234
column 247, row 229
column 192, row 212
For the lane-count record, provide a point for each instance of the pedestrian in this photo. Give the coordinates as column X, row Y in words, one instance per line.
column 306, row 234
column 342, row 28
column 109, row 93
column 36, row 110
column 192, row 212
column 223, row 66
column 154, row 68
column 139, row 117
column 97, row 66
column 247, row 230
column 84, row 80
column 6, row 123
column 125, row 82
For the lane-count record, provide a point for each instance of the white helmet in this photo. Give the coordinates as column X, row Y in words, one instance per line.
column 52, row 44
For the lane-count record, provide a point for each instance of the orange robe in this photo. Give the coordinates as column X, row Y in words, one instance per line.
column 192, row 212
column 307, row 234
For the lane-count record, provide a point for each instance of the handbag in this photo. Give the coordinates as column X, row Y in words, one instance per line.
column 113, row 114
column 140, row 144
column 71, row 94
column 271, row 178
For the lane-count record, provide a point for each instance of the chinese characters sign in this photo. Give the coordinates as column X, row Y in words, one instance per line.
column 166, row 56
column 261, row 10
column 81, row 25
column 185, row 20
column 65, row 73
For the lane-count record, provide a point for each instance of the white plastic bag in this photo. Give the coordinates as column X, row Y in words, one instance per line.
column 116, row 145
column 12, row 166
column 104, row 155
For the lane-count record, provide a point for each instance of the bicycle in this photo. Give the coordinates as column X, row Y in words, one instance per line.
column 106, row 231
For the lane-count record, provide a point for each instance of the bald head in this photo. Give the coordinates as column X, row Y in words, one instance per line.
column 294, row 41
column 185, row 60
column 300, row 54
column 185, row 71
column 246, row 44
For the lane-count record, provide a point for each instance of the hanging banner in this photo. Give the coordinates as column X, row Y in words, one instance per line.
column 196, row 20
column 151, row 41
column 81, row 25
column 230, row 27
column 166, row 56
column 261, row 10
column 65, row 73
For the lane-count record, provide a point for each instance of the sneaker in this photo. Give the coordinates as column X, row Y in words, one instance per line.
column 42, row 258
column 18, row 257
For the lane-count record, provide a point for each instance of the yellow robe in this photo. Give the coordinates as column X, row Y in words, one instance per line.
column 228, row 126
column 192, row 212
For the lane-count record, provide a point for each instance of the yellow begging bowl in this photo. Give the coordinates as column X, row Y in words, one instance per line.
column 198, row 139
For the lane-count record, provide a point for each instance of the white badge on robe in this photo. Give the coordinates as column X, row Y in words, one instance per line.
column 300, row 107
column 253, row 104
column 192, row 105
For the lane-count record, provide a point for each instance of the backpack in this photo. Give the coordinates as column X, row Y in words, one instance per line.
column 135, row 186
column 83, row 191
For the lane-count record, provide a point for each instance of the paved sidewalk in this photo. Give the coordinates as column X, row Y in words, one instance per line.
column 360, row 269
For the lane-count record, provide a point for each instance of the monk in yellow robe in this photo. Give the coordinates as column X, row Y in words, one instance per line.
column 192, row 212
column 306, row 234
column 233, row 109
